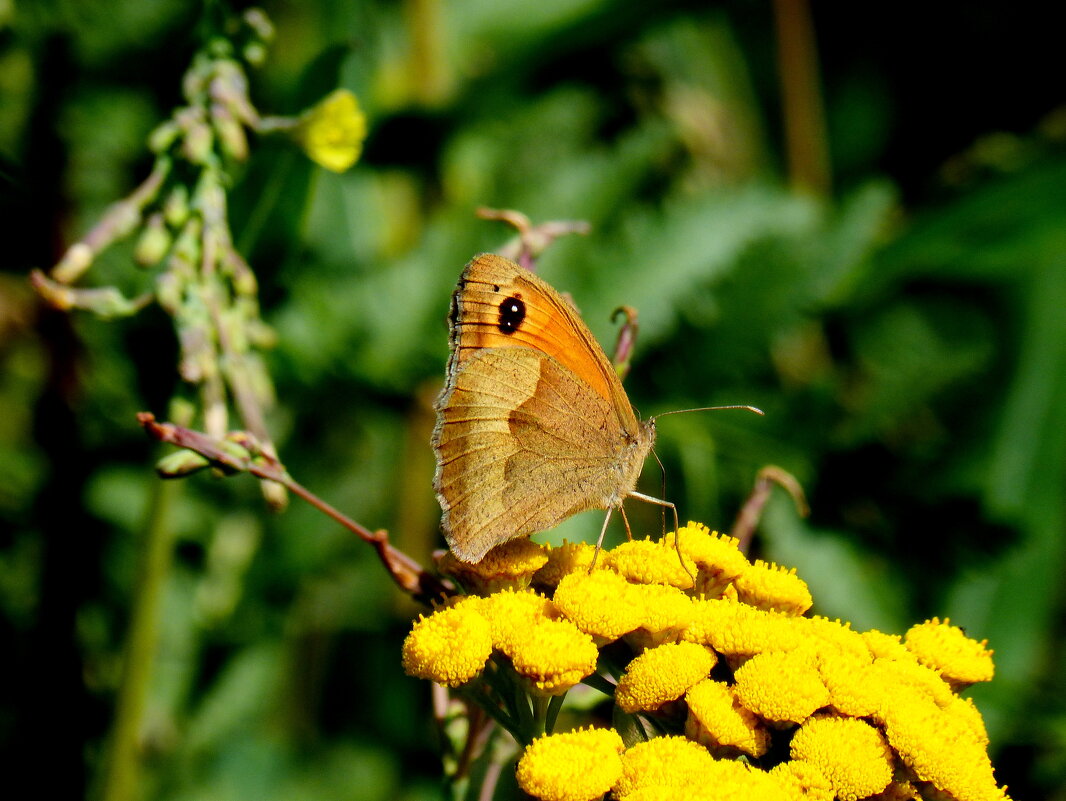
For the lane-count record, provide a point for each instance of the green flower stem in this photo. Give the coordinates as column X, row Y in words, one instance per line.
column 551, row 715
column 121, row 780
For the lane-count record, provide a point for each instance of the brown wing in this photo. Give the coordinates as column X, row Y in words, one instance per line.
column 499, row 304
column 522, row 443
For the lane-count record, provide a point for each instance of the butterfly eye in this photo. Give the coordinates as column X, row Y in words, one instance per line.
column 512, row 313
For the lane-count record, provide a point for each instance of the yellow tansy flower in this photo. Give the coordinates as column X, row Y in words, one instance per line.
column 781, row 686
column 451, row 646
column 805, row 779
column 887, row 646
column 600, row 603
column 855, row 686
column 662, row 674
column 672, row 761
column 834, row 633
column 570, row 557
column 510, row 565
column 770, row 587
column 332, row 131
column 899, row 790
column 897, row 673
column 554, row 655
column 715, row 555
column 939, row 747
column 851, row 753
column 647, row 562
column 946, row 649
column 574, row 766
column 511, row 614
column 665, row 612
column 716, row 720
column 736, row 629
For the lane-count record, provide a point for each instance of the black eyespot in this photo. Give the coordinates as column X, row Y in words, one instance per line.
column 512, row 313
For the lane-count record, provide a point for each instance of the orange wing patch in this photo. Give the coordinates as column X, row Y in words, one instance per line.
column 501, row 305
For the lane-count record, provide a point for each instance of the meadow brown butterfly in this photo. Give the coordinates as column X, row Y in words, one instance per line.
column 533, row 425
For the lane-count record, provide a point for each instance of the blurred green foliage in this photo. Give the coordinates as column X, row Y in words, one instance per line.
column 906, row 337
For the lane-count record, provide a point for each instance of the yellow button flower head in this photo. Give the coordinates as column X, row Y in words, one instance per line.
column 805, row 780
column 451, row 646
column 673, row 761
column 662, row 674
column 946, row 649
column 715, row 555
column 834, row 633
column 665, row 612
column 600, row 603
column 894, row 673
column 570, row 557
column 781, row 686
column 941, row 748
column 509, row 565
column 888, row 646
column 511, row 614
column 554, row 655
column 768, row 586
column 574, row 766
column 647, row 562
column 736, row 629
column 717, row 721
column 855, row 687
column 851, row 753
column 332, row 131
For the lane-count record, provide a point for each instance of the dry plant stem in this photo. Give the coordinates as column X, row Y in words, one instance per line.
column 804, row 115
column 121, row 779
column 751, row 512
column 627, row 338
column 532, row 239
column 405, row 571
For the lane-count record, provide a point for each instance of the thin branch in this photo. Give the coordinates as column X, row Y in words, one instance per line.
column 751, row 512
column 239, row 453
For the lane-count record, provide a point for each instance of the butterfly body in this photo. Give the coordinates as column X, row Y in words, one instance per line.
column 533, row 425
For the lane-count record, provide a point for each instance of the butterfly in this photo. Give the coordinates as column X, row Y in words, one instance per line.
column 533, row 425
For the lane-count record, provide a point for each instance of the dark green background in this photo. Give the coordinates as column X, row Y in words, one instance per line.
column 905, row 333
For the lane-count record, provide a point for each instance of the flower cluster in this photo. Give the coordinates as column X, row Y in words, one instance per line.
column 751, row 697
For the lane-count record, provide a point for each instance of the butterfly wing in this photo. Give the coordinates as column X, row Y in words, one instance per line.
column 499, row 304
column 522, row 443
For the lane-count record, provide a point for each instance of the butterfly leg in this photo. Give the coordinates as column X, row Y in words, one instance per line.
column 640, row 496
column 629, row 531
column 599, row 542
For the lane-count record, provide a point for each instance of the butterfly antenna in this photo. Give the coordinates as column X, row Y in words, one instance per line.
column 743, row 406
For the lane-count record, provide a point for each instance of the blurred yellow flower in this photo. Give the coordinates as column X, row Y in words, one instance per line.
column 662, row 674
column 850, row 753
column 450, row 647
column 332, row 131
column 574, row 766
column 946, row 649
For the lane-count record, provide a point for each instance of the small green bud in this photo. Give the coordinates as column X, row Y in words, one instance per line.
column 181, row 463
column 154, row 241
